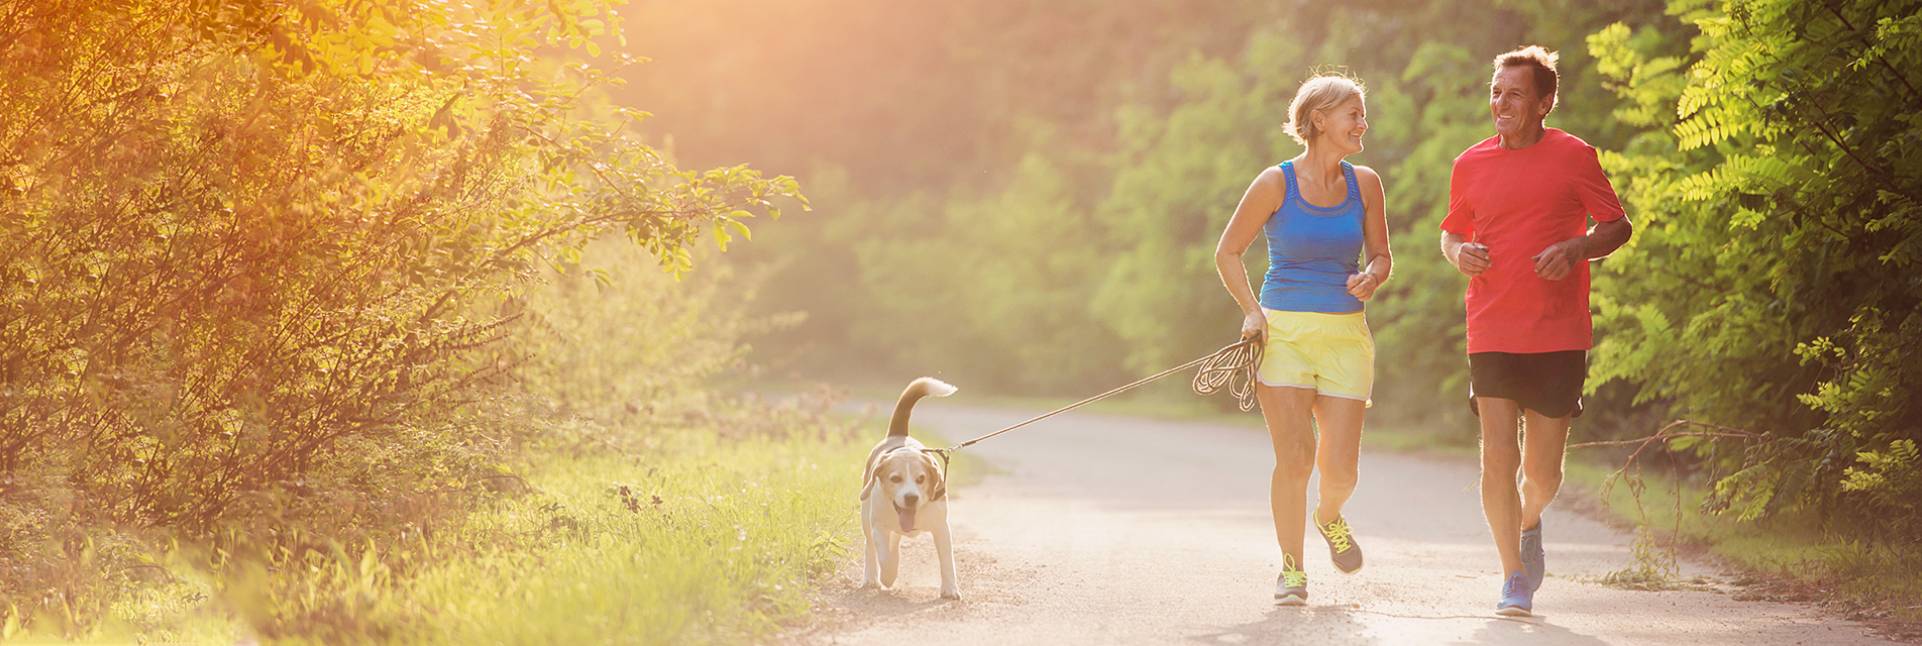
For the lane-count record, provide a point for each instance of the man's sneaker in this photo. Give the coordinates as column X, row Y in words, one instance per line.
column 1342, row 549
column 1532, row 556
column 1291, row 588
column 1518, row 600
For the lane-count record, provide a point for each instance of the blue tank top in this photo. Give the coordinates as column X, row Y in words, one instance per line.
column 1312, row 250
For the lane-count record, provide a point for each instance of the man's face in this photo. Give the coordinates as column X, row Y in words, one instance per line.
column 1514, row 102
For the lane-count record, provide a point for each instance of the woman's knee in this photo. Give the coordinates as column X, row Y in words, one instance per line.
column 1339, row 477
column 1293, row 464
column 1294, row 468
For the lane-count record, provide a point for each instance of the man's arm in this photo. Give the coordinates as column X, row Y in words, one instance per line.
column 1606, row 237
column 1558, row 260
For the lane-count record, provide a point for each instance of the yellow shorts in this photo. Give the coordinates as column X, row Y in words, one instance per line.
column 1331, row 354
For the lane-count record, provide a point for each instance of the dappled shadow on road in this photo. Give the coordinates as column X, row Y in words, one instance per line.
column 1347, row 625
column 872, row 603
column 1292, row 624
column 1532, row 630
column 845, row 606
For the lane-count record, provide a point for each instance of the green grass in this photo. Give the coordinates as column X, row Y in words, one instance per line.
column 701, row 541
column 717, row 544
column 1791, row 551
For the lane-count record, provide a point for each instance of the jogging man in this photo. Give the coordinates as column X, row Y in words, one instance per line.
column 1519, row 205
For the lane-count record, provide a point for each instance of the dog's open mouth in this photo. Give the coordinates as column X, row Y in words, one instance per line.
column 907, row 517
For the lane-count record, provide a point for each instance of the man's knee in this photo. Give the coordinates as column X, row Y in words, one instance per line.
column 1544, row 479
column 1499, row 456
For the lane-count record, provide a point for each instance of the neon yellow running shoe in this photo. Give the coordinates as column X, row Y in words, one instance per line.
column 1342, row 549
column 1291, row 588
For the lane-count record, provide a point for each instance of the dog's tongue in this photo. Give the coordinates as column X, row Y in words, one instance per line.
column 907, row 518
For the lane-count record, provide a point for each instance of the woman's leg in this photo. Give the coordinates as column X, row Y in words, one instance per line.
column 1289, row 414
column 1338, row 453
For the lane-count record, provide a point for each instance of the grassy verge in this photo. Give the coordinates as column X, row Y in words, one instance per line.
column 1791, row 554
column 714, row 543
column 699, row 541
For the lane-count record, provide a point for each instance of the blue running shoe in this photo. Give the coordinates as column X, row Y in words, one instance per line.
column 1532, row 556
column 1518, row 600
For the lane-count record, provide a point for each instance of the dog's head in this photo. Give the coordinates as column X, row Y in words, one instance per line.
column 907, row 478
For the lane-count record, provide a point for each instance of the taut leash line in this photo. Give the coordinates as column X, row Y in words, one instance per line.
column 1234, row 366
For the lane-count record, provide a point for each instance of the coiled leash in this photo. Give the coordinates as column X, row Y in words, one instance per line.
column 1234, row 366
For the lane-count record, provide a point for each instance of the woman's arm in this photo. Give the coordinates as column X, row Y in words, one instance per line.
column 1377, row 262
column 1264, row 195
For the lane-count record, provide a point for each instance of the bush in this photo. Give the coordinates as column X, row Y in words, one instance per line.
column 263, row 259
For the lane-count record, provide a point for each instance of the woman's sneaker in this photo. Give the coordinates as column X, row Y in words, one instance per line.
column 1291, row 588
column 1342, row 549
column 1518, row 600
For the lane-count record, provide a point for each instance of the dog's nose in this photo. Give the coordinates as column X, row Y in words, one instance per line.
column 911, row 499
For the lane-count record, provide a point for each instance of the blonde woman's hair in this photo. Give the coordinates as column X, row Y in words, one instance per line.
column 1320, row 92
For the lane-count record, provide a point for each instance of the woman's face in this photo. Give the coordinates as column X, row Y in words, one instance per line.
column 1343, row 125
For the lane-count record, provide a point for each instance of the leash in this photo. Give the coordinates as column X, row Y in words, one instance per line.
column 1233, row 366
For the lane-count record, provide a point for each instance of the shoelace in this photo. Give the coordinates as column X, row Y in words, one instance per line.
column 1338, row 534
column 1512, row 585
column 1291, row 574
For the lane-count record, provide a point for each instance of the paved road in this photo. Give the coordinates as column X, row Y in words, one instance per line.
column 1099, row 529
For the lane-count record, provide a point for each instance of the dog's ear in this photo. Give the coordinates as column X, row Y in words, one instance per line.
column 940, row 476
column 868, row 479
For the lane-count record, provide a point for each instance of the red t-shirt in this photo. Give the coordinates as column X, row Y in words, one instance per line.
column 1518, row 202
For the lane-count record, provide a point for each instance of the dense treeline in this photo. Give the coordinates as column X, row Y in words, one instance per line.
column 1766, row 147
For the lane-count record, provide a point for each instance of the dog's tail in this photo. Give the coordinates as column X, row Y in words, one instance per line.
column 922, row 387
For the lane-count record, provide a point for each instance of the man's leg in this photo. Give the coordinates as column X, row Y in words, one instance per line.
column 1545, row 440
column 1501, row 459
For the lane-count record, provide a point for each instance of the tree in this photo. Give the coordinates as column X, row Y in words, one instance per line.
column 1774, row 283
column 250, row 248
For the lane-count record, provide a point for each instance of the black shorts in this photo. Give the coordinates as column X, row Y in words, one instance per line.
column 1549, row 383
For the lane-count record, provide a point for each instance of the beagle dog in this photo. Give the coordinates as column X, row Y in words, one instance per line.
column 904, row 492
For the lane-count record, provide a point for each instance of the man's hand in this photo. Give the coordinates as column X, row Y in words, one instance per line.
column 1362, row 285
column 1558, row 260
column 1471, row 258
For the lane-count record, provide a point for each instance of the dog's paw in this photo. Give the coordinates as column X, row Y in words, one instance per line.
column 870, row 585
column 951, row 594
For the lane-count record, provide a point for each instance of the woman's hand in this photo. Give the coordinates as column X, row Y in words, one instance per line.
column 1362, row 285
column 1254, row 326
